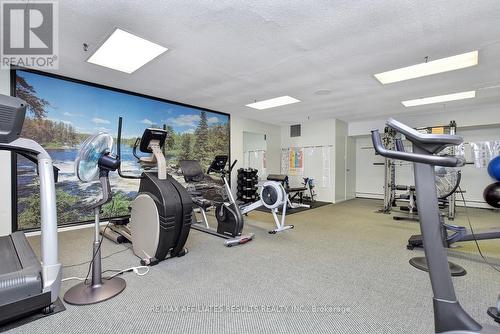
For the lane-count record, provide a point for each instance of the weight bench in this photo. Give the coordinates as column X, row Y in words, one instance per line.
column 411, row 208
column 296, row 193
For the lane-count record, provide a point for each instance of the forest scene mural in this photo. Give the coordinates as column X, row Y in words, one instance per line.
column 62, row 113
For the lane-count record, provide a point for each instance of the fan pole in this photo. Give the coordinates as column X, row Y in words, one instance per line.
column 99, row 289
column 96, row 261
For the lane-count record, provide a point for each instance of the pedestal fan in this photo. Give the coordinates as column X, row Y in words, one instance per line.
column 95, row 160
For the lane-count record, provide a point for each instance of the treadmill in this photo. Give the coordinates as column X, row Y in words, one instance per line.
column 28, row 285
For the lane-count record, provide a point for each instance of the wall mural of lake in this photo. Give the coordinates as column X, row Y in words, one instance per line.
column 62, row 113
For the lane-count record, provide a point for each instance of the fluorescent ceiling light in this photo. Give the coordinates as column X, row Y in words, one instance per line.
column 433, row 67
column 271, row 103
column 440, row 98
column 125, row 52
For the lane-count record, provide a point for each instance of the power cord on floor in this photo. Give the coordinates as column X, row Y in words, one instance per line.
column 473, row 234
column 104, row 257
column 135, row 270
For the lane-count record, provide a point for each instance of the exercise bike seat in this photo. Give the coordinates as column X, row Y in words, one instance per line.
column 192, row 170
column 430, row 142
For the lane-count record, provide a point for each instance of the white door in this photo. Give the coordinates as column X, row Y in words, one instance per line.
column 350, row 167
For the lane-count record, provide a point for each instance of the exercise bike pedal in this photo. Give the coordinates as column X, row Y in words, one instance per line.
column 149, row 262
column 182, row 252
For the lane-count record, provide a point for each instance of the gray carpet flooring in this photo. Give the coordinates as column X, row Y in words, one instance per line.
column 343, row 269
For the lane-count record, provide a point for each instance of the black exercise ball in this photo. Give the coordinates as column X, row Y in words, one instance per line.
column 491, row 194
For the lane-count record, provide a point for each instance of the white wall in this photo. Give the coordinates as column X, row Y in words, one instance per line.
column 5, row 172
column 316, row 133
column 272, row 132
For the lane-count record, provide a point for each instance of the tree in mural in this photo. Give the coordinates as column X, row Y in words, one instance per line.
column 170, row 141
column 185, row 151
column 36, row 105
column 46, row 132
column 201, row 142
column 218, row 138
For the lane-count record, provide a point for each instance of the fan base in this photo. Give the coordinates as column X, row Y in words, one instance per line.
column 83, row 294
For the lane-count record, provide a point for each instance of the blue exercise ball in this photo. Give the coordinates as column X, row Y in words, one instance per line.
column 494, row 168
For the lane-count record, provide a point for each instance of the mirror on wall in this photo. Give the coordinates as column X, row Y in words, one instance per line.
column 254, row 152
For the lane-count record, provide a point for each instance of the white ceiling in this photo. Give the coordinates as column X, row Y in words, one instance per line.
column 225, row 54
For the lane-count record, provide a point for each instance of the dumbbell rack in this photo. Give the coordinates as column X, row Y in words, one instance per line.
column 247, row 185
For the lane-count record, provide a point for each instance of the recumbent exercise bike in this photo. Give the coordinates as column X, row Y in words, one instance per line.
column 229, row 214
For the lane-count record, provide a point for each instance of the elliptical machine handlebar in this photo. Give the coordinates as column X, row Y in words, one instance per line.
column 400, row 154
column 118, row 152
column 134, row 149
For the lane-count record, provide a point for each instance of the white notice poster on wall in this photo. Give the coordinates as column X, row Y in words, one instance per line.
column 483, row 152
column 285, row 158
column 296, row 161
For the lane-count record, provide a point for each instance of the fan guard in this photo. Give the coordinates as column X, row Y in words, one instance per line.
column 447, row 180
column 86, row 163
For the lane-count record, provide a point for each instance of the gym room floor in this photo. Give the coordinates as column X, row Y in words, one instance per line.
column 354, row 265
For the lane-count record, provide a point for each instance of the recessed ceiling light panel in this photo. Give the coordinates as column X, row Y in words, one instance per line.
column 271, row 103
column 440, row 98
column 125, row 52
column 432, row 67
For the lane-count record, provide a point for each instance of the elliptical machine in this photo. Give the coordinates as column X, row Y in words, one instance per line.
column 449, row 316
column 160, row 215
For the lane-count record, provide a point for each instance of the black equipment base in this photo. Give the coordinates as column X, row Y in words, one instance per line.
column 493, row 312
column 56, row 307
column 415, row 241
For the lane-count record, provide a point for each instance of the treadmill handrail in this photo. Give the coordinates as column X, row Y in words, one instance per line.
column 423, row 138
column 51, row 268
column 435, row 160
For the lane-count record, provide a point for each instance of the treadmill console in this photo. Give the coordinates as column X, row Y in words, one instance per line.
column 12, row 110
column 152, row 134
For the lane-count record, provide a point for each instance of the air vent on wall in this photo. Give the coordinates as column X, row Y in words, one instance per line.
column 295, row 130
